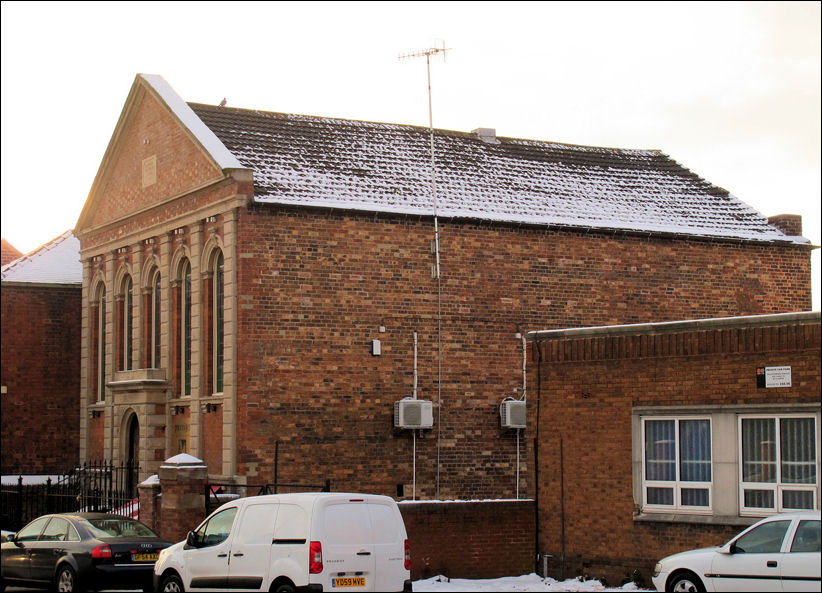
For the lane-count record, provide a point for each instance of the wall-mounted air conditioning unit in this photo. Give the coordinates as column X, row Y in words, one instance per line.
column 512, row 414
column 413, row 413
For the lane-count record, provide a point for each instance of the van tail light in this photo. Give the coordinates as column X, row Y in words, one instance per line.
column 407, row 556
column 101, row 552
column 315, row 558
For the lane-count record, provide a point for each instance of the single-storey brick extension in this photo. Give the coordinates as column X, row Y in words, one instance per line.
column 260, row 289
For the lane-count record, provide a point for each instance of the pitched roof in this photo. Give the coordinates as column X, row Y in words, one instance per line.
column 56, row 262
column 336, row 163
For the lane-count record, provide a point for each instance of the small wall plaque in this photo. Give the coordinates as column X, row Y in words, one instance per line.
column 767, row 377
column 149, row 171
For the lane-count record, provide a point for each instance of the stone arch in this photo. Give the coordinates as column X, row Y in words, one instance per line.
column 123, row 271
column 97, row 284
column 180, row 257
column 150, row 267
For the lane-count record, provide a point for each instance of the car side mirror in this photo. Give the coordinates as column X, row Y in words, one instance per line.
column 192, row 540
column 727, row 549
column 10, row 537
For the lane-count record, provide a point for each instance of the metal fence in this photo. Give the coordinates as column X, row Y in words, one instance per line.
column 217, row 494
column 95, row 486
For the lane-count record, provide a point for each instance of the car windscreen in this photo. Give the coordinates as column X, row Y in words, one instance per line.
column 118, row 527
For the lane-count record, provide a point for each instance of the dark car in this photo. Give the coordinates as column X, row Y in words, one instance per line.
column 80, row 551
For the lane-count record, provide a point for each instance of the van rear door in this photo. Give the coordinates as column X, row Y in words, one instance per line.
column 389, row 545
column 250, row 555
column 347, row 546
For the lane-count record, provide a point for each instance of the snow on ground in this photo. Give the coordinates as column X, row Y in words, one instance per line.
column 530, row 582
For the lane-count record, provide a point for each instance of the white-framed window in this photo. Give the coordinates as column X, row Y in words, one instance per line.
column 677, row 472
column 777, row 463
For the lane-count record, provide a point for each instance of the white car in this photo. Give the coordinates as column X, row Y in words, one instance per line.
column 292, row 542
column 780, row 553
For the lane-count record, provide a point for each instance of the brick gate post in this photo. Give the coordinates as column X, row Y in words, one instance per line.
column 148, row 495
column 183, row 481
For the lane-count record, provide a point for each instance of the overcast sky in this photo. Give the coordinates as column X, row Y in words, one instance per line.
column 729, row 90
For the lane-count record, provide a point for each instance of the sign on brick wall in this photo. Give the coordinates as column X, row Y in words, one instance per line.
column 767, row 377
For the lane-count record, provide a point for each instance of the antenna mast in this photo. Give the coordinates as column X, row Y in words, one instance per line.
column 427, row 53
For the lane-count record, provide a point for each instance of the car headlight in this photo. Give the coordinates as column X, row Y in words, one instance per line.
column 657, row 569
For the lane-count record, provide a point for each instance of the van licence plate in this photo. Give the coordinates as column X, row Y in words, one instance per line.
column 348, row 582
column 145, row 557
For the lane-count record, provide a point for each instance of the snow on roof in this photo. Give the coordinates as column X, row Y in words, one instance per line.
column 56, row 262
column 205, row 136
column 333, row 163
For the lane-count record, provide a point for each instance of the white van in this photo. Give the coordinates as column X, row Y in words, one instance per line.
column 292, row 542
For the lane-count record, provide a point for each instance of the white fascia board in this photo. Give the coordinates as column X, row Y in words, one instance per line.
column 223, row 157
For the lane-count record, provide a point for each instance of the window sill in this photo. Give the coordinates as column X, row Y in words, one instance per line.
column 695, row 519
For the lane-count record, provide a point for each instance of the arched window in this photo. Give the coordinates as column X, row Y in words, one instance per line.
column 185, row 329
column 151, row 320
column 155, row 324
column 125, row 317
column 218, row 321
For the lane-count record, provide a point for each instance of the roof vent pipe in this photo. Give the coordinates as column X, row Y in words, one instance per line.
column 488, row 135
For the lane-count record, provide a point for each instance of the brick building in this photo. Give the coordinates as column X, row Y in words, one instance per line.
column 8, row 253
column 657, row 438
column 259, row 288
column 41, row 295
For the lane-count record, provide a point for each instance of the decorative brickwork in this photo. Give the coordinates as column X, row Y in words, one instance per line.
column 181, row 166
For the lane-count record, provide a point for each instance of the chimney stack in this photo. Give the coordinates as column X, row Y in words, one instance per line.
column 488, row 135
column 790, row 224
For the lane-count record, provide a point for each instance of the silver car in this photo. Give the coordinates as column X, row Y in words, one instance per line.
column 780, row 553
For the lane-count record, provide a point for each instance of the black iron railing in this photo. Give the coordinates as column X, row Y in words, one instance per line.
column 94, row 486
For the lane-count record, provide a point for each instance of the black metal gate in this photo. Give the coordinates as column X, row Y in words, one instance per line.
column 95, row 486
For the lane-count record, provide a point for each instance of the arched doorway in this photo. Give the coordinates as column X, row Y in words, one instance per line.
column 132, row 456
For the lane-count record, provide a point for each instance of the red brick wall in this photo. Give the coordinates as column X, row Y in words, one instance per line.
column 41, row 373
column 587, row 390
column 315, row 286
column 478, row 539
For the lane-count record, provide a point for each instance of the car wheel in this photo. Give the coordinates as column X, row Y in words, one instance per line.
column 66, row 579
column 285, row 588
column 684, row 582
column 171, row 584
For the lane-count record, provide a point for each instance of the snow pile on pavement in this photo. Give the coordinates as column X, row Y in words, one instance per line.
column 530, row 582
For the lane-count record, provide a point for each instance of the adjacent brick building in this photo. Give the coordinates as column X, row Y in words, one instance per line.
column 8, row 253
column 41, row 306
column 254, row 278
column 657, row 438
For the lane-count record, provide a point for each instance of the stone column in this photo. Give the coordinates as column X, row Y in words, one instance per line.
column 183, row 480
column 196, row 248
column 110, row 449
column 85, row 360
column 137, row 306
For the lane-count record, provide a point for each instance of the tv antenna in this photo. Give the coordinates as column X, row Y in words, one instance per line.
column 427, row 53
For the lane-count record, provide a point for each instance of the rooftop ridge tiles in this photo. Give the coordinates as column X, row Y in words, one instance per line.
column 422, row 129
